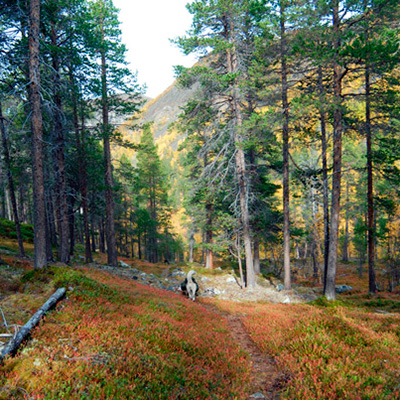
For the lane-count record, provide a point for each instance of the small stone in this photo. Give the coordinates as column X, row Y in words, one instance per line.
column 230, row 279
column 342, row 288
column 123, row 264
column 257, row 395
column 287, row 300
column 177, row 272
column 280, row 287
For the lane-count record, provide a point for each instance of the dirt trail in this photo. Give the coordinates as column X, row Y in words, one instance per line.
column 267, row 380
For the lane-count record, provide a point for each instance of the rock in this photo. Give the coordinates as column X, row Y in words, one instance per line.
column 177, row 272
column 135, row 271
column 280, row 287
column 205, row 279
column 211, row 292
column 287, row 300
column 257, row 395
column 123, row 264
column 230, row 279
column 342, row 288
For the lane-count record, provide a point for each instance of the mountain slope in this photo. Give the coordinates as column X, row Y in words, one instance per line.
column 162, row 111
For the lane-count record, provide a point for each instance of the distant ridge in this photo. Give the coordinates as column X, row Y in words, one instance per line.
column 165, row 108
column 163, row 111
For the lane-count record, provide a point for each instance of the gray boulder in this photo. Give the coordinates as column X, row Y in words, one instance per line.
column 342, row 288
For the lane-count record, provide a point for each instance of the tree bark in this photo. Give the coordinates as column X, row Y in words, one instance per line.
column 209, row 237
column 102, row 244
column 257, row 269
column 3, row 196
column 370, row 194
column 24, row 332
column 337, row 159
column 61, row 203
column 112, row 258
column 325, row 185
column 82, row 168
column 345, row 256
column 240, row 162
column 11, row 183
column 92, row 232
column 40, row 257
column 285, row 138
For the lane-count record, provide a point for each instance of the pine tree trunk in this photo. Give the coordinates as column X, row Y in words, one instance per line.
column 64, row 250
column 110, row 228
column 102, row 244
column 92, row 232
column 325, row 187
column 132, row 241
column 139, row 247
column 3, row 195
column 345, row 256
column 71, row 226
column 209, row 237
column 314, row 234
column 11, row 187
column 80, row 146
column 257, row 269
column 239, row 257
column 39, row 216
column 370, row 195
column 240, row 162
column 285, row 138
column 337, row 159
column 50, row 220
column 49, row 250
column 21, row 203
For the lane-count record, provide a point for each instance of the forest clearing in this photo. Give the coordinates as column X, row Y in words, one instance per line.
column 116, row 337
column 269, row 170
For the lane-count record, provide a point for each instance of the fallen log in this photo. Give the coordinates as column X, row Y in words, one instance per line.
column 12, row 346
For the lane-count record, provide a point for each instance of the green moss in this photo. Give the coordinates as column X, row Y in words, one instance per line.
column 38, row 275
column 7, row 229
column 324, row 302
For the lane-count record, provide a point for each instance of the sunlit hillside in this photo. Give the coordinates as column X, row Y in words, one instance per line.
column 162, row 111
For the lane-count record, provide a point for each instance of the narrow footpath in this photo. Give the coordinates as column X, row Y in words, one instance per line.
column 267, row 380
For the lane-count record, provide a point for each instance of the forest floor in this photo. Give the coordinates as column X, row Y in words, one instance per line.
column 129, row 333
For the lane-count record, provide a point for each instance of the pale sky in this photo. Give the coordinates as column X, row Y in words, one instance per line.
column 147, row 26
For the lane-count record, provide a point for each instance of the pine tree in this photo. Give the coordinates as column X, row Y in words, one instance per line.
column 219, row 28
column 152, row 184
column 115, row 78
column 40, row 259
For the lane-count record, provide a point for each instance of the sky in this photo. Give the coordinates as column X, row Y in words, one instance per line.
column 147, row 26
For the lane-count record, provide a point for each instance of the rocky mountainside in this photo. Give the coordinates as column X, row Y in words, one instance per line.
column 162, row 111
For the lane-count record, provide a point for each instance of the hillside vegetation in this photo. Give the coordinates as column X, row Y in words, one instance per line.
column 114, row 337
